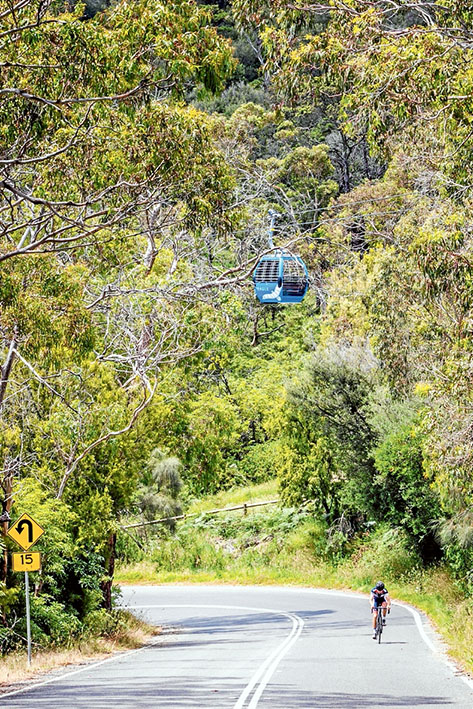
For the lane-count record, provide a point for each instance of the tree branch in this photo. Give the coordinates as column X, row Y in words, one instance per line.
column 110, row 434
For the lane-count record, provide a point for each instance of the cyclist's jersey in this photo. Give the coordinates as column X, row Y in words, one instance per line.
column 379, row 596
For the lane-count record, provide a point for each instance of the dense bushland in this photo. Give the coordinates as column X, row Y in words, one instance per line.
column 141, row 148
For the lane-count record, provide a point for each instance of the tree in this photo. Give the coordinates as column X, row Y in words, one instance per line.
column 158, row 496
column 328, row 429
column 103, row 168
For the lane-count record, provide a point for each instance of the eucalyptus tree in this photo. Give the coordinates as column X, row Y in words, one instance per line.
column 99, row 160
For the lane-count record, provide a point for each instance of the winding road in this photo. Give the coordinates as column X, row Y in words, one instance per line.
column 260, row 647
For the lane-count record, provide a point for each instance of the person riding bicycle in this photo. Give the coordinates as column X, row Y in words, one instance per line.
column 379, row 596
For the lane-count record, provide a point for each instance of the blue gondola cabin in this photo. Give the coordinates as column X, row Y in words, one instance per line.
column 280, row 278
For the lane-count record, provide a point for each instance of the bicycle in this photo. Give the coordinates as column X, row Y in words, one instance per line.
column 379, row 622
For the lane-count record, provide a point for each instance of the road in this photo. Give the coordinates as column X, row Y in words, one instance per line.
column 260, row 647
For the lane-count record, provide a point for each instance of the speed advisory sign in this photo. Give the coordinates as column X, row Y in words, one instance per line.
column 26, row 561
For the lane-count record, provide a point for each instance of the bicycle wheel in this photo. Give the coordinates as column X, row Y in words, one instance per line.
column 379, row 625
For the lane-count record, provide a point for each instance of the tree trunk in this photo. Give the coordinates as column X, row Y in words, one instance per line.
column 106, row 584
column 7, row 502
column 255, row 339
column 6, row 368
column 346, row 177
column 366, row 159
column 7, row 482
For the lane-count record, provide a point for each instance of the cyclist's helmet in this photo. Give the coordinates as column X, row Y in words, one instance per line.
column 379, row 585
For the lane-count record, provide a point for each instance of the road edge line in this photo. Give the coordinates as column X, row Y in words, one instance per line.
column 420, row 627
column 87, row 666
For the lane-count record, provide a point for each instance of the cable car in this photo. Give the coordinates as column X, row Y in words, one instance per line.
column 280, row 277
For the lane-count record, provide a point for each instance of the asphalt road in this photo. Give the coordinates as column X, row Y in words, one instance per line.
column 261, row 647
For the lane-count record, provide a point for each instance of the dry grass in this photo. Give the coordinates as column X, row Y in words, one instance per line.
column 14, row 670
column 142, row 572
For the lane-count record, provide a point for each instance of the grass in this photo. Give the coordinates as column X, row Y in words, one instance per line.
column 451, row 615
column 237, row 496
column 269, row 546
column 14, row 670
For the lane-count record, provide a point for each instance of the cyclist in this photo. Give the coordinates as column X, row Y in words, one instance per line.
column 379, row 596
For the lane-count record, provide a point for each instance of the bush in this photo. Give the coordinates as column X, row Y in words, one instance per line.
column 51, row 624
column 237, row 526
column 460, row 561
column 190, row 549
column 261, row 462
column 127, row 550
column 310, row 536
column 105, row 623
column 384, row 554
column 405, row 497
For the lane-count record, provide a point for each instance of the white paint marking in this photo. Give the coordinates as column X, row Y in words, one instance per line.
column 419, row 624
column 264, row 673
column 429, row 642
column 284, row 648
column 290, row 640
column 75, row 672
column 354, row 594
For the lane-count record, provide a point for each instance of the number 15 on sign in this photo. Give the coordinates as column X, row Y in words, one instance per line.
column 27, row 561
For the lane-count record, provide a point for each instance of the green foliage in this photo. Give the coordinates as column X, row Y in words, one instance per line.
column 189, row 552
column 132, row 355
column 329, row 435
column 246, row 527
column 217, row 544
column 52, row 623
column 157, row 497
column 8, row 598
column 261, row 462
column 404, row 495
column 311, row 474
column 387, row 554
column 104, row 623
column 128, row 550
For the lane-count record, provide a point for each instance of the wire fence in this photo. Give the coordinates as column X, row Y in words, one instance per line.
column 245, row 506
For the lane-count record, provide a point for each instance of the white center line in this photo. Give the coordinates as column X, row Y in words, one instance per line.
column 266, row 670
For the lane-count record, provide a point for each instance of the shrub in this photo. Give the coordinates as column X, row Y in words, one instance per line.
column 188, row 550
column 405, row 497
column 261, row 462
column 105, row 623
column 127, row 550
column 51, row 623
column 384, row 554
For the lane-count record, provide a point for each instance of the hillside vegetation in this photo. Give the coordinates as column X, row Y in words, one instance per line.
column 143, row 146
column 289, row 546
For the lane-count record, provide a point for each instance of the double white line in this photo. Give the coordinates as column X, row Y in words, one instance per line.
column 259, row 680
column 266, row 670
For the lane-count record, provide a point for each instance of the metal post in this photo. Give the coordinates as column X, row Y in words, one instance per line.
column 28, row 623
column 273, row 216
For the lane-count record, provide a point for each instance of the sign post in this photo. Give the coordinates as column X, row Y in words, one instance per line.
column 26, row 532
column 28, row 620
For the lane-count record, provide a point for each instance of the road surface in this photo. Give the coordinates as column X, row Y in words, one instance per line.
column 260, row 647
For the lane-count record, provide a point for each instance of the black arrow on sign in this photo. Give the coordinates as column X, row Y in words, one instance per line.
column 20, row 527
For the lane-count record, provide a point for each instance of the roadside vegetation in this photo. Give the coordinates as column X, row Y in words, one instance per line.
column 288, row 546
column 142, row 147
column 102, row 636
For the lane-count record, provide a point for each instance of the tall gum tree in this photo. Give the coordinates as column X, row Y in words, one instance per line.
column 98, row 158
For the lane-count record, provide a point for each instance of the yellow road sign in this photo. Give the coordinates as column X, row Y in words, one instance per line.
column 25, row 531
column 27, row 561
